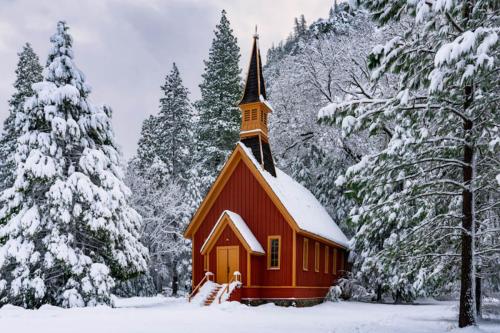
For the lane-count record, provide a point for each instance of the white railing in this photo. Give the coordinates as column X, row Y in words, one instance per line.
column 205, row 279
column 236, row 278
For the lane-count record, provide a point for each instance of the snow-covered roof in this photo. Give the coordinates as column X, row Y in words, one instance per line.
column 304, row 208
column 242, row 229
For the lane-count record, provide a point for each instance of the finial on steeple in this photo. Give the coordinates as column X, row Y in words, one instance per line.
column 256, row 35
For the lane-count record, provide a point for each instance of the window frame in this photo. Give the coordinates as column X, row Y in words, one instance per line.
column 206, row 262
column 334, row 262
column 316, row 257
column 327, row 258
column 342, row 263
column 269, row 252
column 305, row 254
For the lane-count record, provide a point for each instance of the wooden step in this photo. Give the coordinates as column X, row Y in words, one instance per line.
column 211, row 297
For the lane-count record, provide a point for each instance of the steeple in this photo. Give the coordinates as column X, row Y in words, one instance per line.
column 255, row 110
column 254, row 87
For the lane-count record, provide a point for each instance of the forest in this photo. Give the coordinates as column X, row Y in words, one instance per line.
column 386, row 110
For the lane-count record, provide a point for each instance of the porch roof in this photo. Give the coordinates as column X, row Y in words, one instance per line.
column 239, row 227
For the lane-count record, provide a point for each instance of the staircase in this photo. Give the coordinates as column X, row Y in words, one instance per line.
column 208, row 292
column 212, row 296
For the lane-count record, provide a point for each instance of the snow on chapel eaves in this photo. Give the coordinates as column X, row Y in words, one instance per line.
column 305, row 209
column 242, row 228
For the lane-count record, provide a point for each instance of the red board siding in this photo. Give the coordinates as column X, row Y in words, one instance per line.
column 243, row 194
column 282, row 293
column 311, row 277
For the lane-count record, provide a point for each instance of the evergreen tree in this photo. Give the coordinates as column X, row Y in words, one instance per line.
column 28, row 71
column 429, row 198
column 300, row 83
column 161, row 177
column 68, row 229
column 219, row 115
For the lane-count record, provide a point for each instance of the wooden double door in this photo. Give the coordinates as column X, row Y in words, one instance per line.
column 228, row 258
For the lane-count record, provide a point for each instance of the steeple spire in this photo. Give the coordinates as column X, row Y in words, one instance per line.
column 254, row 86
column 255, row 110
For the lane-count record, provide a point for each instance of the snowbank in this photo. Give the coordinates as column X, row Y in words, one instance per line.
column 161, row 314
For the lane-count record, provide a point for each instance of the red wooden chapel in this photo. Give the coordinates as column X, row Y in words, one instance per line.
column 260, row 223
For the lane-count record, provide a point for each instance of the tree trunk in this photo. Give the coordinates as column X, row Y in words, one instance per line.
column 398, row 299
column 478, row 297
column 379, row 293
column 175, row 278
column 158, row 283
column 467, row 310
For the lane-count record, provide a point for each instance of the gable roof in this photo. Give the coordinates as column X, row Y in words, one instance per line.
column 298, row 206
column 239, row 227
column 306, row 210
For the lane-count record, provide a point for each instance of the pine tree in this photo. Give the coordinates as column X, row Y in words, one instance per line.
column 161, row 177
column 430, row 195
column 219, row 116
column 68, row 229
column 29, row 71
column 300, row 83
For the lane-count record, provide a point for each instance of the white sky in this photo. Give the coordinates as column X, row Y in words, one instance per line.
column 125, row 47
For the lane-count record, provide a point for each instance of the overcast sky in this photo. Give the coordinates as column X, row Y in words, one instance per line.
column 125, row 47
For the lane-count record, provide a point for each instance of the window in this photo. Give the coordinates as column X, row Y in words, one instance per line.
column 265, row 118
column 342, row 268
column 247, row 115
column 334, row 262
column 316, row 257
column 254, row 114
column 273, row 252
column 261, row 116
column 327, row 254
column 205, row 262
column 305, row 254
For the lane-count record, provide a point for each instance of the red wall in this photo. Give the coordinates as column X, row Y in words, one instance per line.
column 311, row 277
column 242, row 194
column 283, row 293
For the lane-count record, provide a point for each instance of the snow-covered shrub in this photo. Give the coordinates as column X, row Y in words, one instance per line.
column 334, row 294
column 142, row 285
column 351, row 289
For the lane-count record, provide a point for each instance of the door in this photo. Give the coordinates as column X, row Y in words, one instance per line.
column 227, row 263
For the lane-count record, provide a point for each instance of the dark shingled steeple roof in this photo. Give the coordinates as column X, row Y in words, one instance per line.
column 254, row 86
column 255, row 146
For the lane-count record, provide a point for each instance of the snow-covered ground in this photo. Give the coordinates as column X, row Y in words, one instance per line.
column 160, row 314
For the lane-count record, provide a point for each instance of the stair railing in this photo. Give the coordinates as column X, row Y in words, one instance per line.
column 205, row 279
column 236, row 278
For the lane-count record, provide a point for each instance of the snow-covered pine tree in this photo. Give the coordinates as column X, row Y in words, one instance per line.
column 219, row 116
column 28, row 71
column 161, row 178
column 431, row 194
column 300, row 81
column 68, row 229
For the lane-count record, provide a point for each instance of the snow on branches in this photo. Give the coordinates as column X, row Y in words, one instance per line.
column 68, row 229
